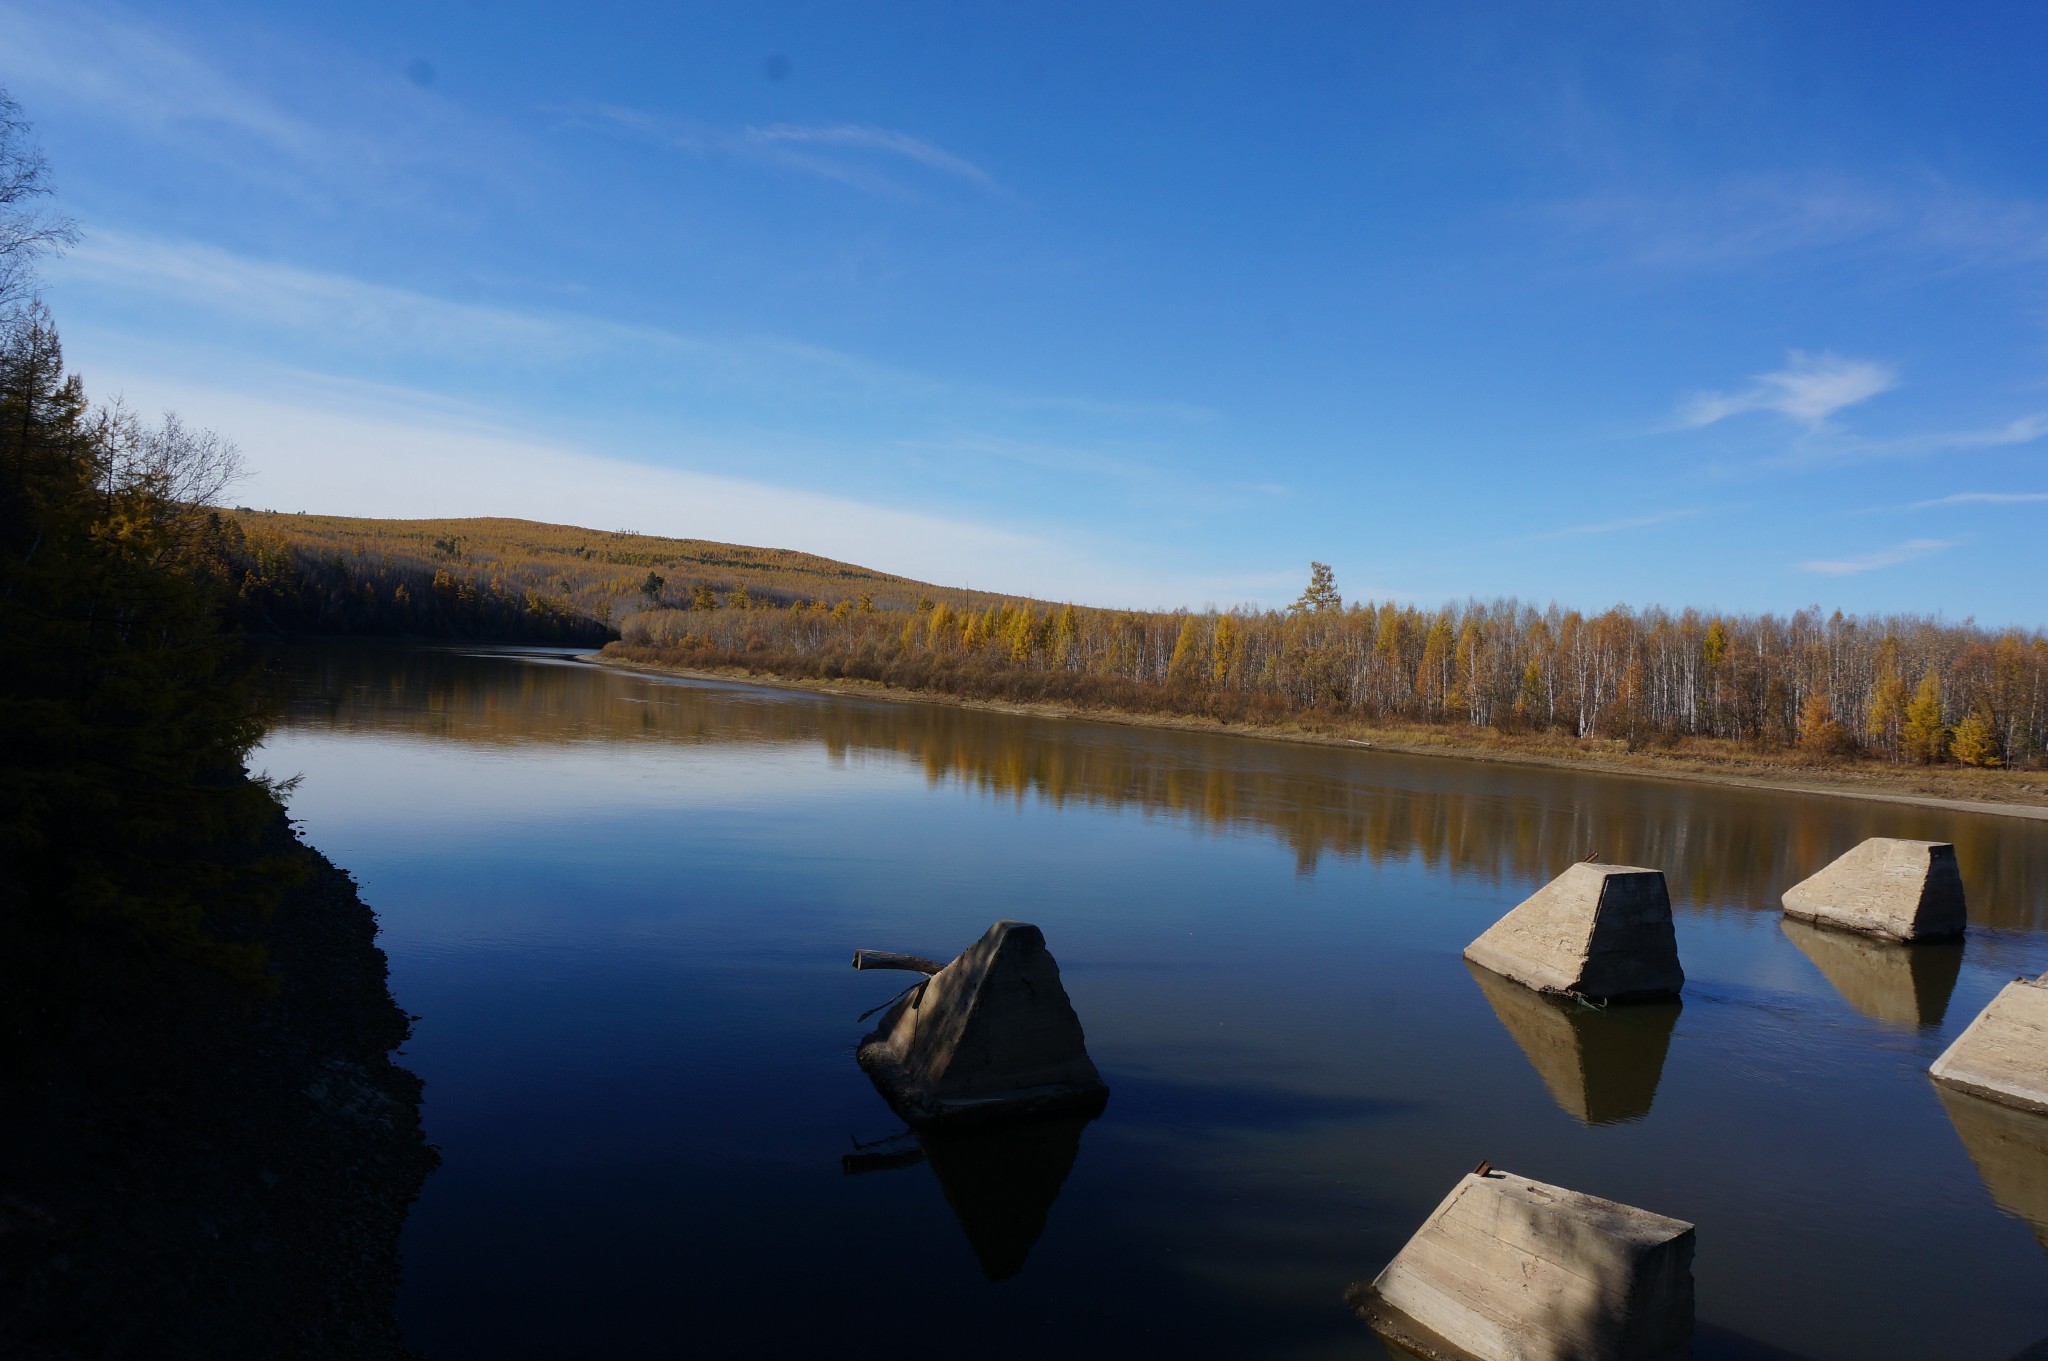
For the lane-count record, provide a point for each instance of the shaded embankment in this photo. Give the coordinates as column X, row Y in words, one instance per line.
column 194, row 1170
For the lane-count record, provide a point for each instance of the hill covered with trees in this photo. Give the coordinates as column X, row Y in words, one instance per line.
column 518, row 580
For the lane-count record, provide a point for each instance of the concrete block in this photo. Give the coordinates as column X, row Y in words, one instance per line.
column 1602, row 1067
column 990, row 1035
column 1602, row 932
column 2010, row 1149
column 1509, row 1269
column 1886, row 980
column 2003, row 1055
column 1902, row 890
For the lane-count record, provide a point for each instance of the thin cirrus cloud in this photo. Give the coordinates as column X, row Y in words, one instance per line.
column 1909, row 551
column 1809, row 389
column 1982, row 498
column 140, row 76
column 1740, row 223
column 1617, row 526
column 849, row 153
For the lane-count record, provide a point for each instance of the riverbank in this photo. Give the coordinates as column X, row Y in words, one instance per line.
column 2021, row 794
column 196, row 1170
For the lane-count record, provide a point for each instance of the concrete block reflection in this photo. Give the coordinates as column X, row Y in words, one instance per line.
column 1601, row 1066
column 1000, row 1180
column 1887, row 981
column 2010, row 1149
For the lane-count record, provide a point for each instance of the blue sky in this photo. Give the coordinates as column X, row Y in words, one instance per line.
column 1733, row 305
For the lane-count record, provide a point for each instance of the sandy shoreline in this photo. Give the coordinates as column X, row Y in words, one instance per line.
column 1641, row 766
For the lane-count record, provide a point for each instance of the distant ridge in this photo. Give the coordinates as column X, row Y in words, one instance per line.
column 521, row 579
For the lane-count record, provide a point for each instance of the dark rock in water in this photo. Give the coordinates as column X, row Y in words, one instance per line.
column 992, row 1035
column 192, row 1169
column 1601, row 1065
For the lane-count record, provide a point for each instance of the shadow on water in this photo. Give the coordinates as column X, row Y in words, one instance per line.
column 1602, row 1065
column 2010, row 1149
column 1903, row 985
column 1718, row 846
column 1001, row 1181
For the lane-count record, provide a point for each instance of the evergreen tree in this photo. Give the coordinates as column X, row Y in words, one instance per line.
column 1321, row 593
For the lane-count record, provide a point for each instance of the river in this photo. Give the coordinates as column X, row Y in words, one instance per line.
column 623, row 908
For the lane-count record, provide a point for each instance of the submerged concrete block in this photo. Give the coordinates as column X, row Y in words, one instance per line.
column 1509, row 1269
column 1886, row 980
column 2003, row 1055
column 990, row 1035
column 1902, row 890
column 1602, row 932
column 1601, row 1066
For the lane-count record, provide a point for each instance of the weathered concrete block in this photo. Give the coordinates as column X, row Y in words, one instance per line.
column 1602, row 1067
column 1902, row 890
column 1602, row 932
column 2010, row 1149
column 990, row 1035
column 1509, row 1269
column 1886, row 980
column 2003, row 1055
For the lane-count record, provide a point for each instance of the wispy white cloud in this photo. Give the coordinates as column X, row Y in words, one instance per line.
column 1617, row 526
column 1909, row 551
column 1982, row 498
column 314, row 311
column 350, row 449
column 846, row 152
column 1739, row 223
column 314, row 124
column 140, row 75
column 1809, row 389
column 1822, row 446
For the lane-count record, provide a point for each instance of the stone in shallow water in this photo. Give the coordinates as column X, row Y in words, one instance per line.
column 1902, row 890
column 2003, row 1055
column 1886, row 980
column 1509, row 1269
column 1602, row 932
column 991, row 1035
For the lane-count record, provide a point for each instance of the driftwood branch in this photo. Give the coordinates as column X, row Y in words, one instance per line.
column 889, row 959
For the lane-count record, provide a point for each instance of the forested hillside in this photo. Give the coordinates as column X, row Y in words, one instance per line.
column 519, row 580
column 1897, row 688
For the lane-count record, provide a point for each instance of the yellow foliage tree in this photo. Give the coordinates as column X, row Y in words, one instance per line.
column 1923, row 737
column 1976, row 741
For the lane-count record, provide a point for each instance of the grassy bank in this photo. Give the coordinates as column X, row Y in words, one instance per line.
column 2011, row 793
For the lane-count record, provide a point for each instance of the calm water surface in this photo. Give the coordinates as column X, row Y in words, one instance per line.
column 623, row 907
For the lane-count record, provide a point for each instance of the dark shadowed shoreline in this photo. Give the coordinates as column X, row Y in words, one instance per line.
column 193, row 1170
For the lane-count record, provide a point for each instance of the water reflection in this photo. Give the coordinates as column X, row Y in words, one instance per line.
column 1903, row 985
column 2010, row 1149
column 999, row 1180
column 1602, row 1065
column 1718, row 846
